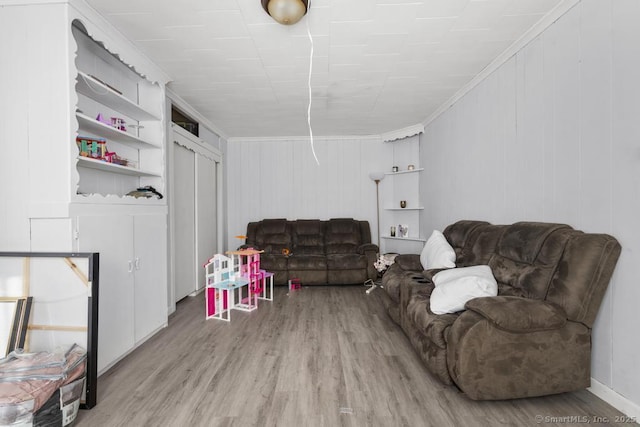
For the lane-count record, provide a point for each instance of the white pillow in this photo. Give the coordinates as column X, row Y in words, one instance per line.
column 454, row 287
column 437, row 252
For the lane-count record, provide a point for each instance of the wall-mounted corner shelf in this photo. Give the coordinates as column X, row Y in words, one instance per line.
column 414, row 239
column 403, row 172
column 405, row 209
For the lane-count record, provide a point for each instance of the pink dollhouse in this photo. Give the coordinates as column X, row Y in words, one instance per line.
column 235, row 282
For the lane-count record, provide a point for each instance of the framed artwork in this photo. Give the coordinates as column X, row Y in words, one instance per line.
column 14, row 317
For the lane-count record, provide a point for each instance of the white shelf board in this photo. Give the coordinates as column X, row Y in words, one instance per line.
column 403, row 172
column 106, row 131
column 405, row 209
column 87, row 162
column 413, row 239
column 98, row 91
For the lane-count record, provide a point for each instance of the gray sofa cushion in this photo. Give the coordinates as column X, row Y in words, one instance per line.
column 346, row 261
column 433, row 326
column 342, row 236
column 308, row 237
column 307, row 262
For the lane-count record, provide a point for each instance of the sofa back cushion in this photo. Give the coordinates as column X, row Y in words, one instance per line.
column 272, row 235
column 308, row 237
column 480, row 245
column 342, row 235
column 458, row 233
column 583, row 275
column 527, row 256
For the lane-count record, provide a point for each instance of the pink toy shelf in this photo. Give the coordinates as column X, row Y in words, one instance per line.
column 267, row 291
column 235, row 282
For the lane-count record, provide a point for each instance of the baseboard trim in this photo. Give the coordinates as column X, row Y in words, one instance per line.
column 615, row 399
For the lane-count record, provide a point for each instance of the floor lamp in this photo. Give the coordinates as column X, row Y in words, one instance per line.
column 376, row 177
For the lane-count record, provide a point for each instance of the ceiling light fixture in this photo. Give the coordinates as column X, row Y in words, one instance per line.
column 286, row 12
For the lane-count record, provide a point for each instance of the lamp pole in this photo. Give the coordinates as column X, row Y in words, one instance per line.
column 377, row 177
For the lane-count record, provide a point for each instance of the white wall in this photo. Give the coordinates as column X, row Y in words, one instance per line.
column 554, row 135
column 280, row 179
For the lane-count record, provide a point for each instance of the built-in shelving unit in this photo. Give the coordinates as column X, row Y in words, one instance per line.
column 107, row 87
column 403, row 184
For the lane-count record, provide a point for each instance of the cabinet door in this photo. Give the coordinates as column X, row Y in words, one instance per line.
column 112, row 237
column 150, row 247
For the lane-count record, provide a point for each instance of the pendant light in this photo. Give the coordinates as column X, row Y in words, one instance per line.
column 286, row 12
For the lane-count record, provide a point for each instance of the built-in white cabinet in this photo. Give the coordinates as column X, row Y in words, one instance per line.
column 67, row 64
column 133, row 279
column 400, row 223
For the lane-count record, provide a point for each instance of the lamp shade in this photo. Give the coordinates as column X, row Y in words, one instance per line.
column 286, row 12
column 376, row 176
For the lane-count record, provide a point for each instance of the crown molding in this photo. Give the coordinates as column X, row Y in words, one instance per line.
column 402, row 133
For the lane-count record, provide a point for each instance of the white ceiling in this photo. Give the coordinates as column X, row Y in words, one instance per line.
column 378, row 65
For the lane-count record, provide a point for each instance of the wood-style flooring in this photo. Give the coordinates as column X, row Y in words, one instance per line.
column 322, row 356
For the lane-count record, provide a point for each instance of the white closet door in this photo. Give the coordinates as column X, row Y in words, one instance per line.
column 184, row 199
column 206, row 220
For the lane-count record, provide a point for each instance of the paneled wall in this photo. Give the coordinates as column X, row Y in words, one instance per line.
column 554, row 135
column 280, row 179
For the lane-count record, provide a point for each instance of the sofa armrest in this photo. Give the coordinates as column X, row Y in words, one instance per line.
column 517, row 314
column 368, row 247
column 409, row 262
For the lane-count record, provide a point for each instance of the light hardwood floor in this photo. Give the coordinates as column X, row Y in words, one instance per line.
column 322, row 356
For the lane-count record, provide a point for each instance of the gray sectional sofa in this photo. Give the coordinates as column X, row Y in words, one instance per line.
column 337, row 251
column 534, row 337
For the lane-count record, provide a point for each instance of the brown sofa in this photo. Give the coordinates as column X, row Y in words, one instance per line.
column 534, row 338
column 337, row 251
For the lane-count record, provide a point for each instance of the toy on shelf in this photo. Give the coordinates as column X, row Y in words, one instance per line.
column 102, row 120
column 114, row 122
column 96, row 148
column 119, row 123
